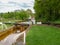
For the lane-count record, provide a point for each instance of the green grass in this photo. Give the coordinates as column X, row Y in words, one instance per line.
column 43, row 35
column 57, row 21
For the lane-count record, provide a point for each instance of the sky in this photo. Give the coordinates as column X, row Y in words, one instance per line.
column 11, row 5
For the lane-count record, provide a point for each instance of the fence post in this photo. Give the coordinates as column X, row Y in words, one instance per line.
column 24, row 37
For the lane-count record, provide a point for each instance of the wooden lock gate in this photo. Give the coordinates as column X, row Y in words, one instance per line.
column 14, row 29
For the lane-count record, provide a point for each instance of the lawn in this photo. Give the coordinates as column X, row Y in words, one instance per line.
column 57, row 21
column 43, row 35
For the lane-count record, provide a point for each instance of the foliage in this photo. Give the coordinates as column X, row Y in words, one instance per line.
column 47, row 10
column 17, row 15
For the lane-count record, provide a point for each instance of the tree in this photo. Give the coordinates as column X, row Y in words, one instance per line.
column 22, row 15
column 16, row 15
column 47, row 10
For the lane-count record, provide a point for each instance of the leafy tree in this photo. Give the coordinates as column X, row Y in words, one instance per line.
column 47, row 10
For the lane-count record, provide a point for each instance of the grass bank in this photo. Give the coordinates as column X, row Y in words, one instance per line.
column 43, row 35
